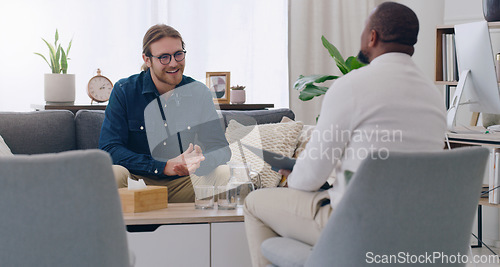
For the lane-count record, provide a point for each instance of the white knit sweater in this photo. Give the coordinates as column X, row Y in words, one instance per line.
column 386, row 106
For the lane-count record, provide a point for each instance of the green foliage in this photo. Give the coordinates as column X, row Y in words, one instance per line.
column 348, row 175
column 58, row 62
column 307, row 84
column 238, row 87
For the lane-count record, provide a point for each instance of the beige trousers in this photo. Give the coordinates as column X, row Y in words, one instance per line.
column 286, row 212
column 180, row 190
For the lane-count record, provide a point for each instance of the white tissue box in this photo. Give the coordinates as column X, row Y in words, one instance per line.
column 144, row 199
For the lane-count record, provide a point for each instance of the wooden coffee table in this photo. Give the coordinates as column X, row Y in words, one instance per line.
column 168, row 237
column 178, row 213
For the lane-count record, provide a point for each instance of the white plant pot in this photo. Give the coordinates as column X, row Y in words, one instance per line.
column 59, row 89
column 238, row 96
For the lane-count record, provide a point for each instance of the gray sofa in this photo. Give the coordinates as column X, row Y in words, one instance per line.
column 53, row 131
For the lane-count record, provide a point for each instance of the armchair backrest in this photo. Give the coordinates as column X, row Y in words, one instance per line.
column 408, row 205
column 61, row 210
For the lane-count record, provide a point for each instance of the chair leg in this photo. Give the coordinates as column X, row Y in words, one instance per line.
column 479, row 227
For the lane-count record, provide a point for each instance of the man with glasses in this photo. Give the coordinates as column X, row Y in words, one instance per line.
column 160, row 125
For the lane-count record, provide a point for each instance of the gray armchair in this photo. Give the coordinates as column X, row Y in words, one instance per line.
column 415, row 203
column 61, row 210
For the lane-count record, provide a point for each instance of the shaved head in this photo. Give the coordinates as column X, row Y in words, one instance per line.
column 391, row 27
column 395, row 23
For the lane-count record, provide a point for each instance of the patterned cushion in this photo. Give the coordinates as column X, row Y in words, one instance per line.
column 302, row 140
column 304, row 137
column 280, row 138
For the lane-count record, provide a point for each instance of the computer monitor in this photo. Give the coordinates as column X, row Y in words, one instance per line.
column 478, row 80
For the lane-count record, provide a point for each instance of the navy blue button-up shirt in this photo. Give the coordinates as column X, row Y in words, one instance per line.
column 125, row 136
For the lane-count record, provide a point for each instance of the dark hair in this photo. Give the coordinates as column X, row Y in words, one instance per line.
column 156, row 33
column 395, row 23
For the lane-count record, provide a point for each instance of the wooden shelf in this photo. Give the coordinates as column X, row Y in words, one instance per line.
column 485, row 202
column 72, row 108
column 245, row 106
column 448, row 29
column 494, row 25
column 446, row 83
column 76, row 108
column 439, row 75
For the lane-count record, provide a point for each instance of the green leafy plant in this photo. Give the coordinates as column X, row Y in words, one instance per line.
column 307, row 84
column 58, row 57
column 238, row 87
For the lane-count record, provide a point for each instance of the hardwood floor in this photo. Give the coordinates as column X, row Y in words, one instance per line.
column 486, row 257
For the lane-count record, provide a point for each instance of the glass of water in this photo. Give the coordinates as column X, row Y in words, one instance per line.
column 204, row 197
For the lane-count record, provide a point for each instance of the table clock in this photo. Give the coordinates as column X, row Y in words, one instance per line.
column 99, row 88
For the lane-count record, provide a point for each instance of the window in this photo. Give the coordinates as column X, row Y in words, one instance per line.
column 247, row 38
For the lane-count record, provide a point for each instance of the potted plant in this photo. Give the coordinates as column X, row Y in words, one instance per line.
column 238, row 94
column 59, row 87
column 307, row 84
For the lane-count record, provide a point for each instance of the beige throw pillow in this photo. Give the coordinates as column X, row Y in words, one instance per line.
column 4, row 149
column 280, row 138
column 302, row 140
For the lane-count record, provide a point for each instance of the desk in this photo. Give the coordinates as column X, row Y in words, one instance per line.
column 167, row 237
column 491, row 140
column 475, row 139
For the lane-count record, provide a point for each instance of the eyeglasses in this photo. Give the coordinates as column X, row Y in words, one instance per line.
column 166, row 58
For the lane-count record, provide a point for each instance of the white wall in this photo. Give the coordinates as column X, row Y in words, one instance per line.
column 248, row 38
column 462, row 11
column 430, row 14
column 222, row 35
column 101, row 31
column 323, row 19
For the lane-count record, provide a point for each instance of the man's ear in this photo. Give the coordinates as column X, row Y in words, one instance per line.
column 374, row 38
column 147, row 60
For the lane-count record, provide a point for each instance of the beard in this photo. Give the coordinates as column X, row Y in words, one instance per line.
column 363, row 58
column 159, row 71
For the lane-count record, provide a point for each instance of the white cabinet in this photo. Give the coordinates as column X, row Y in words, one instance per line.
column 172, row 245
column 229, row 245
column 192, row 245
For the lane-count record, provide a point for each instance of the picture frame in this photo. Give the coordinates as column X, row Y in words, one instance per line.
column 219, row 85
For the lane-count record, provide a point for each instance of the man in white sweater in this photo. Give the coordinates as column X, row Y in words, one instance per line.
column 388, row 105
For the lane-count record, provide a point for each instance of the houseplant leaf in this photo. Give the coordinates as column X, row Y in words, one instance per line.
column 306, row 84
column 44, row 59
column 64, row 62
column 335, row 54
column 52, row 55
column 69, row 47
column 303, row 81
column 353, row 63
column 311, row 91
column 56, row 38
column 57, row 58
column 57, row 66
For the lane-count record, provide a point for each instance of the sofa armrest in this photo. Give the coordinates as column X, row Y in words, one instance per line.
column 47, row 131
column 88, row 125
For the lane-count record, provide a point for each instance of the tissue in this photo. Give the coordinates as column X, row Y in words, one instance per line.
column 133, row 184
